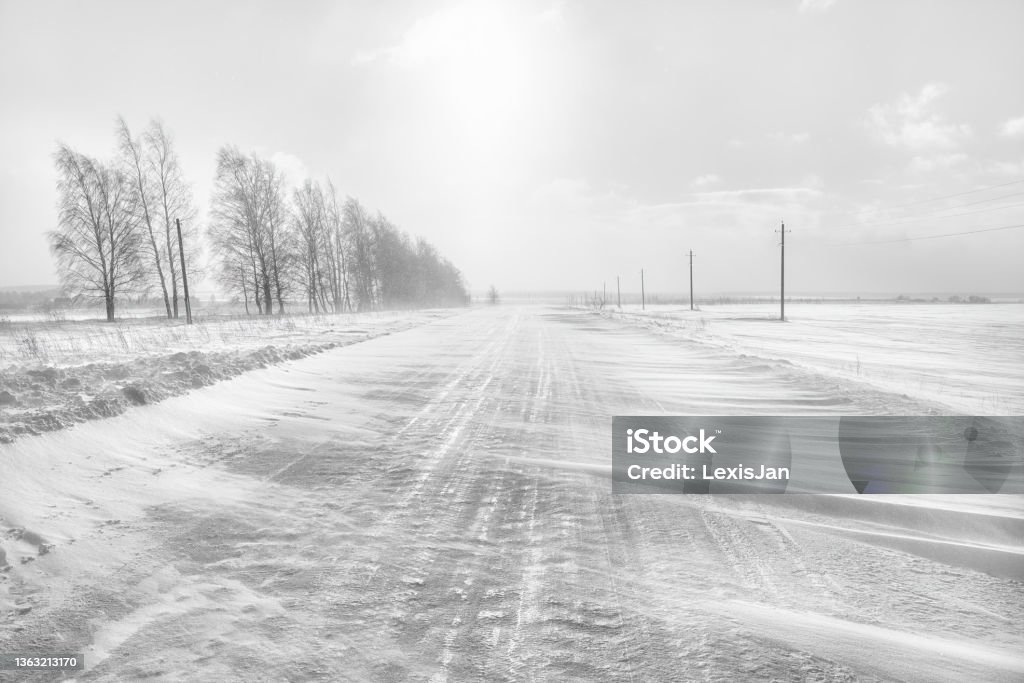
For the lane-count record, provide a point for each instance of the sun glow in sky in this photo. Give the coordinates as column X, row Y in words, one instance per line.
column 550, row 144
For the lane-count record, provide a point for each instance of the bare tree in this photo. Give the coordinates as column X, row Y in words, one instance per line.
column 164, row 196
column 275, row 228
column 248, row 228
column 233, row 218
column 337, row 251
column 340, row 258
column 395, row 260
column 136, row 168
column 360, row 238
column 173, row 199
column 311, row 229
column 98, row 242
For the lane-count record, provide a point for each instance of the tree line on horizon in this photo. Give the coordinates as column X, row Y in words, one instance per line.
column 117, row 236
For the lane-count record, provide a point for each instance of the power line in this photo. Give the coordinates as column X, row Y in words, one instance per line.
column 958, row 194
column 982, row 201
column 940, row 210
column 929, row 217
column 933, row 237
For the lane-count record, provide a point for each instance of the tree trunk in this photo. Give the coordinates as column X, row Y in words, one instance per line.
column 245, row 290
column 277, row 286
column 172, row 270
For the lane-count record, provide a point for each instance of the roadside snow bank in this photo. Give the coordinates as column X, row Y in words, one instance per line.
column 41, row 397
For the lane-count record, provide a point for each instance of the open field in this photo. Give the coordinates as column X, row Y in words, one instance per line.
column 57, row 372
column 76, row 337
column 435, row 504
column 968, row 358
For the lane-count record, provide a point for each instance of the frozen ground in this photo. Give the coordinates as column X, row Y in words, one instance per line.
column 55, row 372
column 968, row 358
column 435, row 504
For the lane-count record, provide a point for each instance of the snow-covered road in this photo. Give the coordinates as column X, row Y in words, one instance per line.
column 436, row 504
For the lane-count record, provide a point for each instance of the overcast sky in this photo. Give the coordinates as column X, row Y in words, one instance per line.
column 553, row 145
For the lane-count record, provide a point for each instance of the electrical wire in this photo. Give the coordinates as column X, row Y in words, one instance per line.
column 934, row 215
column 931, row 237
column 922, row 218
column 958, row 194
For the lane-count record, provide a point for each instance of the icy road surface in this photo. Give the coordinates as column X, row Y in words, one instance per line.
column 436, row 505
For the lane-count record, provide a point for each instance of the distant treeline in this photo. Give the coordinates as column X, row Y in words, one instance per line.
column 20, row 300
column 333, row 255
column 118, row 236
column 955, row 299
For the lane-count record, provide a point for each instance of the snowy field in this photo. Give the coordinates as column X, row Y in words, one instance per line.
column 969, row 358
column 435, row 504
column 77, row 337
column 56, row 371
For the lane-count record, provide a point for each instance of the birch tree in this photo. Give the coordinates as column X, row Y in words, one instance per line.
column 173, row 199
column 360, row 243
column 248, row 226
column 164, row 197
column 98, row 241
column 137, row 169
column 313, row 244
column 336, row 251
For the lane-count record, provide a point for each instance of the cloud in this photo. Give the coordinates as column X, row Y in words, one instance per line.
column 566, row 199
column 792, row 138
column 815, row 5
column 706, row 179
column 437, row 35
column 936, row 162
column 761, row 193
column 1013, row 128
column 911, row 122
column 462, row 31
column 575, row 196
column 1006, row 168
column 812, row 181
column 293, row 168
column 555, row 14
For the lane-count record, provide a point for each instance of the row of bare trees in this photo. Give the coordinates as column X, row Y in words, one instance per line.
column 117, row 235
column 247, row 229
column 116, row 232
column 274, row 246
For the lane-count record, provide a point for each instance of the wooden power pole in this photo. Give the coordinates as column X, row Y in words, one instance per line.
column 184, row 275
column 618, row 291
column 691, row 279
column 782, row 273
column 643, row 296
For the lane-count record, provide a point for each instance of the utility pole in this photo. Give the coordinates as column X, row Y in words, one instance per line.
column 643, row 296
column 184, row 276
column 618, row 291
column 782, row 273
column 604, row 293
column 691, row 279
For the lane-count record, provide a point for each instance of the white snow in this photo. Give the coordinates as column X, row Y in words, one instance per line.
column 436, row 503
column 967, row 357
column 59, row 373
